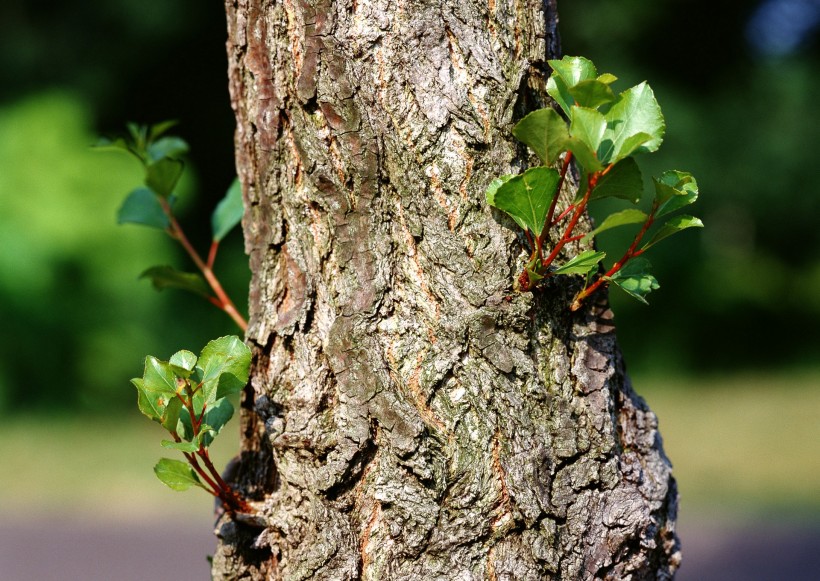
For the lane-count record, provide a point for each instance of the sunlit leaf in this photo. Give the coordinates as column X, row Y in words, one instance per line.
column 634, row 279
column 635, row 112
column 527, row 197
column 674, row 190
column 182, row 363
column 581, row 264
column 622, row 218
column 176, row 474
column 223, row 356
column 591, row 93
column 588, row 126
column 673, row 226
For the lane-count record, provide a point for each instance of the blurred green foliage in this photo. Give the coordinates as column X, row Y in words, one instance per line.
column 76, row 323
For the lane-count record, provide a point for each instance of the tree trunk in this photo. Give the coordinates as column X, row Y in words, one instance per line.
column 409, row 415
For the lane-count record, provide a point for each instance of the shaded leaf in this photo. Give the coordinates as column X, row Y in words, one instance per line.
column 164, row 277
column 171, row 417
column 176, row 474
column 634, row 279
column 170, row 146
column 493, row 188
column 634, row 112
column 622, row 218
column 228, row 212
column 581, row 264
column 623, row 181
column 544, row 132
column 162, row 175
column 527, row 197
column 216, row 417
column 588, row 126
column 673, row 226
column 591, row 93
column 158, row 129
column 226, row 355
column 674, row 190
column 142, row 207
column 558, row 90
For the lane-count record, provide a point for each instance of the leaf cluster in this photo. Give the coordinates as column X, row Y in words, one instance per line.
column 187, row 395
column 602, row 131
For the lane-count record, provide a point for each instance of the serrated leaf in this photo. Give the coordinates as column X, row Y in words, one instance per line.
column 159, row 377
column 622, row 218
column 216, row 417
column 674, row 190
column 162, row 175
column 142, row 207
column 634, row 279
column 623, row 180
column 607, row 78
column 527, row 197
column 592, row 93
column 181, row 446
column 558, row 90
column 163, row 277
column 183, row 363
column 150, row 404
column 544, row 132
column 156, row 389
column 634, row 112
column 170, row 146
column 581, row 264
column 176, row 474
column 673, row 226
column 586, row 157
column 588, row 126
column 228, row 212
column 226, row 355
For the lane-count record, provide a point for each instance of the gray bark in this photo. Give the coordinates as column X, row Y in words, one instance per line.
column 409, row 415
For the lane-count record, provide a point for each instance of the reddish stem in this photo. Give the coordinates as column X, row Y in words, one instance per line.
column 563, row 215
column 224, row 301
column 212, row 253
column 564, row 168
column 579, row 210
column 630, row 253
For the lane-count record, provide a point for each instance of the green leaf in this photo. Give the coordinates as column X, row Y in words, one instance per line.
column 592, row 93
column 573, row 69
column 228, row 212
column 635, row 112
column 164, row 277
column 159, row 128
column 623, row 181
column 673, row 226
column 493, row 188
column 150, row 404
column 634, row 279
column 176, row 474
column 119, row 145
column 558, row 90
column 171, row 147
column 544, row 132
column 183, row 363
column 171, row 416
column 584, row 155
column 622, row 218
column 162, row 175
column 587, row 125
column 216, row 417
column 226, row 355
column 607, row 78
column 527, row 197
column 581, row 264
column 674, row 190
column 159, row 377
column 142, row 207
column 181, row 446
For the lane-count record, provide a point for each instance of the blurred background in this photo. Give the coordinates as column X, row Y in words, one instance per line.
column 727, row 355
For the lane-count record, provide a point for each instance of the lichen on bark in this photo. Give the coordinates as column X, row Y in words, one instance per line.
column 409, row 416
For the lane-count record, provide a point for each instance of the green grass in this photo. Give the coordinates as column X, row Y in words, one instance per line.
column 742, row 444
column 745, row 445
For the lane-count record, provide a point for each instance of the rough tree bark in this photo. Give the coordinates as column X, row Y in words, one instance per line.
column 409, row 415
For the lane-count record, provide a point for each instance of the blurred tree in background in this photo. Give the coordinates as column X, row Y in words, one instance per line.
column 736, row 84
